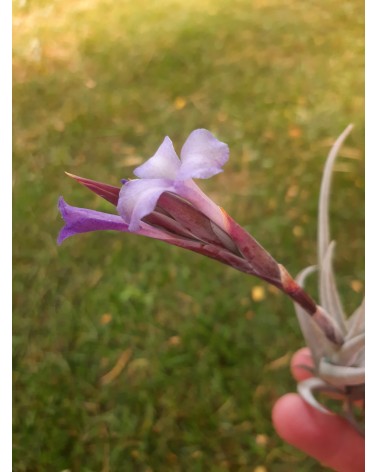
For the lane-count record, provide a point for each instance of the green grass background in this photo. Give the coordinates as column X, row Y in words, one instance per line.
column 97, row 86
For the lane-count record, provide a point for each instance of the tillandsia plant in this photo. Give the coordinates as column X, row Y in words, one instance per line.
column 165, row 203
column 337, row 371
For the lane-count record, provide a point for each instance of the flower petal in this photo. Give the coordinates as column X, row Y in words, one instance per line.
column 138, row 199
column 164, row 164
column 202, row 156
column 82, row 220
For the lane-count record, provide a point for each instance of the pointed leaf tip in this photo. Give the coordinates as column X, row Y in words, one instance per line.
column 106, row 191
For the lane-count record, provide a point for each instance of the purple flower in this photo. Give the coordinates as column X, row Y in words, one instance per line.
column 166, row 204
column 202, row 156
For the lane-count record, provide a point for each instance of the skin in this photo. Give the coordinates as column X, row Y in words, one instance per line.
column 328, row 438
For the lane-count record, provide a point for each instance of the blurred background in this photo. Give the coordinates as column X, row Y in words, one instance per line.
column 130, row 355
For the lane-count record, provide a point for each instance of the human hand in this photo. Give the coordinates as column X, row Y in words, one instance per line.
column 330, row 439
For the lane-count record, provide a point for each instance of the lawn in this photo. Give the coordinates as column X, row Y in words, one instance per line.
column 130, row 355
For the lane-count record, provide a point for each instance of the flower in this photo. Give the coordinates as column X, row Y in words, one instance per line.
column 166, row 204
column 202, row 156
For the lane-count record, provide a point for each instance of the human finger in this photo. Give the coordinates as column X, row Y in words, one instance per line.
column 302, row 364
column 328, row 438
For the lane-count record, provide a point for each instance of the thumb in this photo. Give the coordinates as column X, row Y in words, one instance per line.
column 328, row 438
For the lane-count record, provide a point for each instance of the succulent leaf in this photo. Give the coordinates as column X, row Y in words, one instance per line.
column 323, row 223
column 315, row 338
column 329, row 296
column 356, row 323
column 338, row 369
column 308, row 387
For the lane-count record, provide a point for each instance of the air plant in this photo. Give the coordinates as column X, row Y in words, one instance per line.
column 338, row 370
column 166, row 204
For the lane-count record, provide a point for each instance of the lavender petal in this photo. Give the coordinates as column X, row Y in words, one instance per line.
column 202, row 156
column 138, row 199
column 164, row 164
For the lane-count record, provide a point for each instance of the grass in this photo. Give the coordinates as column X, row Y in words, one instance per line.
column 185, row 350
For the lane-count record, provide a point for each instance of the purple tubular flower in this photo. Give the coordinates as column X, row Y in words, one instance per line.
column 166, row 204
column 82, row 220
